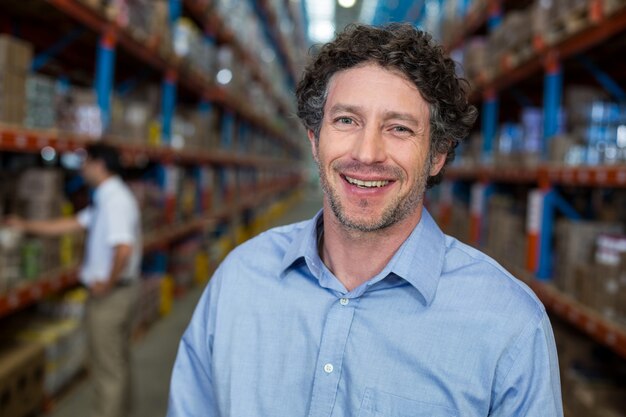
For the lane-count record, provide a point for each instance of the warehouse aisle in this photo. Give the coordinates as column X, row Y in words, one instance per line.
column 154, row 354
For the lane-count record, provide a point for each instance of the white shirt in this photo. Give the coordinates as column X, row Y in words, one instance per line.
column 112, row 220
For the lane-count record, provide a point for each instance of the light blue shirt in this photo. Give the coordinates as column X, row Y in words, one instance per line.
column 443, row 330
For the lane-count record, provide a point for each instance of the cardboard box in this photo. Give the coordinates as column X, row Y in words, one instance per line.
column 15, row 54
column 37, row 184
column 575, row 245
column 22, row 368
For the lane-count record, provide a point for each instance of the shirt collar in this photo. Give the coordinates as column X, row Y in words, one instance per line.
column 304, row 246
column 105, row 187
column 419, row 260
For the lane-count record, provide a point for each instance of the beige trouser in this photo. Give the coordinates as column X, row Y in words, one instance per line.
column 109, row 325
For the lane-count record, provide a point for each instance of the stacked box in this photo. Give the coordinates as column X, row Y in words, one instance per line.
column 39, row 193
column 10, row 258
column 150, row 200
column 506, row 237
column 65, row 344
column 182, row 263
column 71, row 304
column 40, row 102
column 459, row 224
column 39, row 197
column 133, row 114
column 15, row 60
column 475, row 58
column 574, row 245
column 78, row 112
column 21, row 379
column 149, row 301
column 590, row 382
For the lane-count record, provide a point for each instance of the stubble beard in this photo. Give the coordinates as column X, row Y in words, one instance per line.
column 399, row 209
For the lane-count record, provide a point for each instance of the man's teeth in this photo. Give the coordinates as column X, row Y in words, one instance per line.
column 366, row 184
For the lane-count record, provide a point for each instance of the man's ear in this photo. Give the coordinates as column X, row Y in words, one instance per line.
column 439, row 160
column 313, row 141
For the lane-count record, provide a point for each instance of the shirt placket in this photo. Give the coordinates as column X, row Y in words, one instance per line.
column 330, row 358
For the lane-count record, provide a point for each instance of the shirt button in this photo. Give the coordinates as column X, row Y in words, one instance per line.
column 344, row 301
column 328, row 368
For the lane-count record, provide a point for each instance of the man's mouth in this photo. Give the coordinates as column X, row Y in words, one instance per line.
column 366, row 184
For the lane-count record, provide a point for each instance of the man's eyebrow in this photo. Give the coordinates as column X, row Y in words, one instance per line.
column 348, row 108
column 401, row 116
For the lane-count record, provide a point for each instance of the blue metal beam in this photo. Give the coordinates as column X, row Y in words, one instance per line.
column 128, row 85
column 553, row 90
column 105, row 69
column 227, row 131
column 44, row 57
column 273, row 40
column 175, row 11
column 544, row 269
column 522, row 99
column 495, row 16
column 603, row 78
column 489, row 125
column 565, row 207
column 168, row 105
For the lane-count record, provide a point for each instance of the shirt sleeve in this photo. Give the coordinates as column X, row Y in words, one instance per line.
column 85, row 217
column 121, row 220
column 191, row 389
column 531, row 387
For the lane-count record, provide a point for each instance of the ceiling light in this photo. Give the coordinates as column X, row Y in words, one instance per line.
column 346, row 3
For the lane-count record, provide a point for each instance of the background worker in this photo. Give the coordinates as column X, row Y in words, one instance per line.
column 110, row 271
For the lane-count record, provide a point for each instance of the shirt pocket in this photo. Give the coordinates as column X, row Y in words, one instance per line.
column 381, row 404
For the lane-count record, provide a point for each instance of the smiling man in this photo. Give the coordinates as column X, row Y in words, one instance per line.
column 368, row 309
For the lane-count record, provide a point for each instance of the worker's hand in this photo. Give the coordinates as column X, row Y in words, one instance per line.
column 100, row 289
column 16, row 222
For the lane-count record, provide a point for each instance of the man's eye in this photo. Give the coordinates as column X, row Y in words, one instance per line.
column 344, row 120
column 402, row 129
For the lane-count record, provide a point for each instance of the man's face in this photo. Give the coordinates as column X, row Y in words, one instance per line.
column 373, row 149
column 90, row 170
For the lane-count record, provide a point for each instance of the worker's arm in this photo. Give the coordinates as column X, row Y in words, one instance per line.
column 121, row 257
column 53, row 227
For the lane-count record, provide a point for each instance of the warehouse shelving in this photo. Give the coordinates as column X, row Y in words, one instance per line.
column 51, row 283
column 587, row 38
column 587, row 320
column 107, row 35
column 201, row 13
column 600, row 176
column 271, row 18
column 512, row 86
column 169, row 65
column 20, row 139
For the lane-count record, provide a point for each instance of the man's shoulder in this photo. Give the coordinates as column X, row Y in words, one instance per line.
column 487, row 280
column 271, row 244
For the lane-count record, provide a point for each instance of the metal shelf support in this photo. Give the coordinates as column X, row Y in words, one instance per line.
column 105, row 74
column 553, row 91
column 495, row 14
column 168, row 105
column 44, row 57
column 479, row 197
column 175, row 11
column 603, row 78
column 228, row 129
column 489, row 124
column 542, row 207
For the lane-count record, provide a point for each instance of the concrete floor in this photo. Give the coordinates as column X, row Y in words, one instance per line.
column 155, row 352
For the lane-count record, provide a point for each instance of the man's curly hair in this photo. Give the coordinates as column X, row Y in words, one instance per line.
column 401, row 48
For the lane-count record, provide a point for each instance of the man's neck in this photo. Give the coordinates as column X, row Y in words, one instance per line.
column 355, row 257
column 103, row 179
